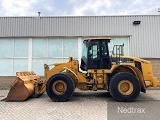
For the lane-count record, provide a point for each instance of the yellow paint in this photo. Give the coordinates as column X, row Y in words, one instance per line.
column 125, row 87
column 147, row 72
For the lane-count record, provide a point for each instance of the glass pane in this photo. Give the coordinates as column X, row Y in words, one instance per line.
column 65, row 59
column 55, row 48
column 104, row 48
column 38, row 66
column 84, row 52
column 94, row 51
column 20, row 65
column 21, row 47
column 110, row 47
column 121, row 41
column 52, row 61
column 39, row 47
column 6, row 47
column 6, row 67
column 70, row 47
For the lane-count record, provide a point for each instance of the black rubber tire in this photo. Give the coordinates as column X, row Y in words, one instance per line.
column 67, row 94
column 113, row 87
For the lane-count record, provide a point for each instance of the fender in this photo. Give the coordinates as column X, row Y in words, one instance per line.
column 137, row 73
column 72, row 73
column 80, row 77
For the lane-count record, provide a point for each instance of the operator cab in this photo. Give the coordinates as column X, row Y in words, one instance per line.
column 95, row 54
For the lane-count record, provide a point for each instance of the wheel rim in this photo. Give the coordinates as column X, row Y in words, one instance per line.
column 59, row 87
column 125, row 87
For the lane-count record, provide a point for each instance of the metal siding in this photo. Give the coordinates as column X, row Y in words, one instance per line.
column 144, row 38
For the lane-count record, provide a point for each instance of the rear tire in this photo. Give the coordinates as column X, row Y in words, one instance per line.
column 124, row 87
column 60, row 87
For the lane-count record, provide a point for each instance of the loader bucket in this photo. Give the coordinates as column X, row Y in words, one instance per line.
column 23, row 86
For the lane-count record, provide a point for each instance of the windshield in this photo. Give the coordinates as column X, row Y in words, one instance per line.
column 84, row 52
column 83, row 65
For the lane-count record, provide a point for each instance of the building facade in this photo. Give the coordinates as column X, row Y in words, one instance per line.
column 26, row 43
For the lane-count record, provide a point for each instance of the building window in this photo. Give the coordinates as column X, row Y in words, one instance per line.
column 51, row 50
column 119, row 41
column 23, row 54
column 13, row 55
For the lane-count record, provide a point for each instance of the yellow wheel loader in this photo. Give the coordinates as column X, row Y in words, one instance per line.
column 124, row 77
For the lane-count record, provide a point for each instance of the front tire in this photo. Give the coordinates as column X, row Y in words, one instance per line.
column 60, row 87
column 124, row 87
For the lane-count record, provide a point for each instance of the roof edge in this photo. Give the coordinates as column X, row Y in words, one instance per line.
column 74, row 16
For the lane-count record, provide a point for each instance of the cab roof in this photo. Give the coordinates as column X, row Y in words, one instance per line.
column 99, row 38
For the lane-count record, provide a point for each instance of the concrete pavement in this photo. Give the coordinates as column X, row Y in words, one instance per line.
column 84, row 105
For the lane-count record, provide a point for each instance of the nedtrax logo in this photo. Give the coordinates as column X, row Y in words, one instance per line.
column 130, row 110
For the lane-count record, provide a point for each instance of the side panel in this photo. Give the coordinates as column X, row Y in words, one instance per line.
column 122, row 68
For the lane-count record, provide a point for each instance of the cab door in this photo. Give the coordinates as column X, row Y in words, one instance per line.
column 98, row 55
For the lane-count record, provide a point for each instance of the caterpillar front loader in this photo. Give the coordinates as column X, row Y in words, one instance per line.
column 124, row 77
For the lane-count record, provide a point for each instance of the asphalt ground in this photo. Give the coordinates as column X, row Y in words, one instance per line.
column 84, row 105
